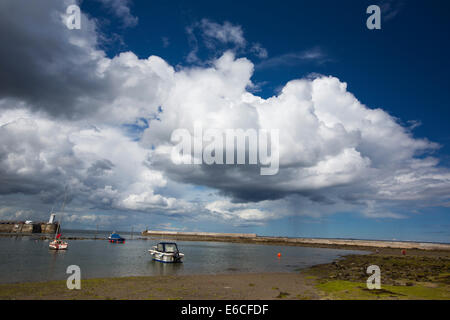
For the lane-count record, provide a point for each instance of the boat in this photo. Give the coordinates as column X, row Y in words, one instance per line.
column 57, row 243
column 115, row 238
column 166, row 252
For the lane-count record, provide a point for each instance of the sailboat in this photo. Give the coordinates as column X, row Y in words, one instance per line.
column 57, row 243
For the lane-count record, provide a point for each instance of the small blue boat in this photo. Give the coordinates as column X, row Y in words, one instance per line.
column 116, row 238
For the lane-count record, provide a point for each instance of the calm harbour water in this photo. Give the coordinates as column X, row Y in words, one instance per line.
column 24, row 259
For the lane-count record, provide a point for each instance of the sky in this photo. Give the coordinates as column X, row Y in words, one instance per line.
column 363, row 115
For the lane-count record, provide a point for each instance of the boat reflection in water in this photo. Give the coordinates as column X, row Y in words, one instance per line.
column 164, row 269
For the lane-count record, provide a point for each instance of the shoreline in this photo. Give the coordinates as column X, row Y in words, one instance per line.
column 418, row 275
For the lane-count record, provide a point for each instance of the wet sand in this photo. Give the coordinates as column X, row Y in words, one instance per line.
column 204, row 287
column 420, row 274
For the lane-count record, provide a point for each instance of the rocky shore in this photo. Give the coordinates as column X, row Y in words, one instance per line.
column 417, row 274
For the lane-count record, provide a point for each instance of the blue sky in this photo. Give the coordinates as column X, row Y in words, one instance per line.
column 401, row 69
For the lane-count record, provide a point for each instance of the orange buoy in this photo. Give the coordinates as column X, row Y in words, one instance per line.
column 279, row 255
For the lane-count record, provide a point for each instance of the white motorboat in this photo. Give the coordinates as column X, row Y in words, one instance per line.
column 166, row 252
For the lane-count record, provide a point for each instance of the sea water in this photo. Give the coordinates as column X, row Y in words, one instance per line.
column 27, row 258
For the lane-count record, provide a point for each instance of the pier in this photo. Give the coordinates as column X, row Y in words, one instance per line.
column 314, row 242
column 27, row 227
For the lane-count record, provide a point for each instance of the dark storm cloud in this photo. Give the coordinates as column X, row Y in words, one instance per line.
column 45, row 64
column 241, row 183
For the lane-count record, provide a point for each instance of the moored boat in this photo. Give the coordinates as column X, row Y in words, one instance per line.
column 166, row 252
column 116, row 238
column 58, row 244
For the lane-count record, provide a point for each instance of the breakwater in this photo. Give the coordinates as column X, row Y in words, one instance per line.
column 200, row 234
column 313, row 242
column 23, row 227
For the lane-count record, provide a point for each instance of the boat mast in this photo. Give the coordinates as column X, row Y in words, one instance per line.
column 62, row 211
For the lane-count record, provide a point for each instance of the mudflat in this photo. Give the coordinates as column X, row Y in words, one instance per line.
column 205, row 287
column 420, row 274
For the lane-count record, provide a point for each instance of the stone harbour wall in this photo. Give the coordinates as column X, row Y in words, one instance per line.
column 253, row 238
column 22, row 227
